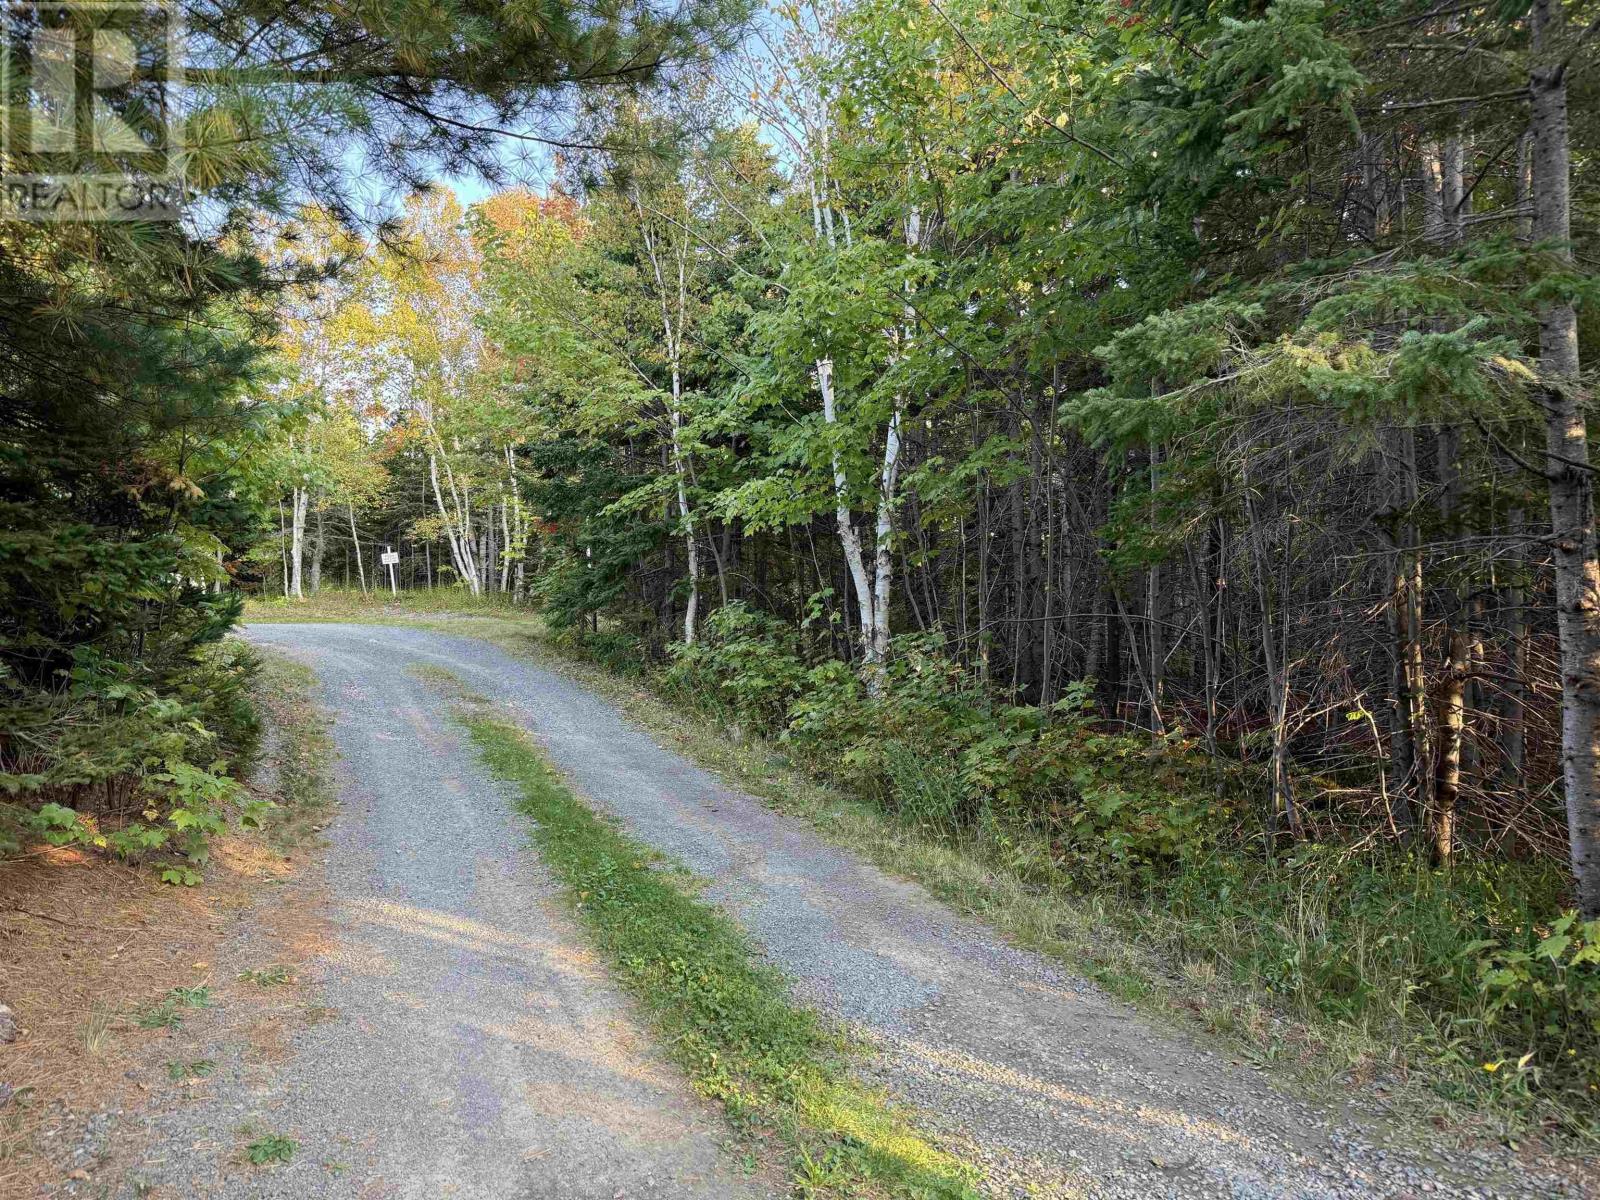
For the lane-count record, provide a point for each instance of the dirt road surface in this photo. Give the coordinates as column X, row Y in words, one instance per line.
column 479, row 1054
column 469, row 1048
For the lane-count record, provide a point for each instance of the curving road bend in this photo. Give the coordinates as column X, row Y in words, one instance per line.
column 474, row 1035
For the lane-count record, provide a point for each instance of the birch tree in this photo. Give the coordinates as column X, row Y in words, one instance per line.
column 425, row 321
column 794, row 88
column 669, row 247
column 1562, row 396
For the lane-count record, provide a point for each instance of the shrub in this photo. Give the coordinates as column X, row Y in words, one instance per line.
column 220, row 689
column 1122, row 802
column 936, row 749
column 1541, row 1004
column 614, row 651
column 746, row 664
column 129, row 761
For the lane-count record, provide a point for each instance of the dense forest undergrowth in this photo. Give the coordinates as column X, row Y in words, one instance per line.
column 1435, row 990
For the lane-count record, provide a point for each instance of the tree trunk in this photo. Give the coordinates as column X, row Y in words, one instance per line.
column 297, row 542
column 1435, row 227
column 1155, row 599
column 1402, row 750
column 1513, row 701
column 505, row 548
column 1577, row 568
column 1451, row 707
column 883, row 543
column 849, row 539
column 319, row 543
column 283, row 547
column 1416, row 674
column 361, row 570
column 674, row 316
column 1452, row 723
column 1274, row 617
column 457, row 530
column 691, row 543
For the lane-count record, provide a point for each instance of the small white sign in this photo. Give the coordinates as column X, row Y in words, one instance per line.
column 390, row 557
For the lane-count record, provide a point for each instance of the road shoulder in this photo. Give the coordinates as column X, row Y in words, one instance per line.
column 124, row 987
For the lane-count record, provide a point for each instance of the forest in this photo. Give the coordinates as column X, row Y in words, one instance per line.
column 1144, row 440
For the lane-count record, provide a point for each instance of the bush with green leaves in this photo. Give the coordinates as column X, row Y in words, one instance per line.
column 938, row 749
column 141, row 767
column 746, row 664
column 1540, row 991
column 612, row 650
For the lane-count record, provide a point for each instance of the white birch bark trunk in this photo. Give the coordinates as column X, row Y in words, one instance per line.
column 518, row 546
column 505, row 547
column 457, row 527
column 691, row 613
column 355, row 538
column 849, row 538
column 883, row 541
column 297, row 539
column 458, row 517
column 1577, row 564
column 672, row 326
column 283, row 547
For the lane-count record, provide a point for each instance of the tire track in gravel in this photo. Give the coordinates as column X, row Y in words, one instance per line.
column 474, row 1051
column 1056, row 1088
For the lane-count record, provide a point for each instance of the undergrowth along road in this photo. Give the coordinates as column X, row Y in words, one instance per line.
column 129, row 990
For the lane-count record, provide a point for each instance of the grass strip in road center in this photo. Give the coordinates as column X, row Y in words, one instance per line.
column 723, row 1015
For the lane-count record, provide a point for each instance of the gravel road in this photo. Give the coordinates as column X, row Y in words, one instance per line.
column 471, row 1050
column 1057, row 1089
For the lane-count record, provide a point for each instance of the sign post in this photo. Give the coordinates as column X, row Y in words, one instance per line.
column 389, row 558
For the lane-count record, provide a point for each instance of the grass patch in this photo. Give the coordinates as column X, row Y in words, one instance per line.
column 167, row 1012
column 297, row 759
column 163, row 1014
column 723, row 1016
column 97, row 1029
column 178, row 1072
column 273, row 1148
column 341, row 604
column 271, row 976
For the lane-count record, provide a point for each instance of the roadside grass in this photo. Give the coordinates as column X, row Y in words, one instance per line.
column 725, row 1017
column 340, row 604
column 1216, row 960
column 272, row 976
column 297, row 761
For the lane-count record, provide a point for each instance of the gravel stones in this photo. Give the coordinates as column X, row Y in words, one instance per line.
column 1051, row 1086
